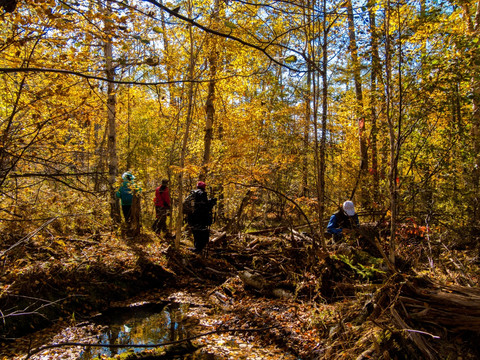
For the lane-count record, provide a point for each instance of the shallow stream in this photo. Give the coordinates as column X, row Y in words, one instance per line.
column 142, row 325
column 148, row 324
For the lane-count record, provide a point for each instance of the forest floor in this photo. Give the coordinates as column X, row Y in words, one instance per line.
column 340, row 304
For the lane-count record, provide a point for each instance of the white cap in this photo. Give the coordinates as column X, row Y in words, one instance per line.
column 349, row 208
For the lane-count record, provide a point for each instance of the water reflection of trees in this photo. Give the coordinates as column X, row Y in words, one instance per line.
column 141, row 326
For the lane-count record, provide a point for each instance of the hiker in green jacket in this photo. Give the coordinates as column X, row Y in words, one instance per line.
column 125, row 194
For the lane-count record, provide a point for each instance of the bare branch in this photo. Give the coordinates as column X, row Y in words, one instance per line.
column 57, row 175
column 28, row 237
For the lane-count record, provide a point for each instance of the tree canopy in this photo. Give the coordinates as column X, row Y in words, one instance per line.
column 375, row 101
column 285, row 109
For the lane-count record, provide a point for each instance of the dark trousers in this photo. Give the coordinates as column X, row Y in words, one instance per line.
column 127, row 212
column 337, row 237
column 161, row 220
column 200, row 238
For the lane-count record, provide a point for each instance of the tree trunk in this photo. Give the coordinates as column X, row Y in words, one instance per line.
column 172, row 92
column 319, row 155
column 129, row 133
column 209, row 106
column 393, row 173
column 359, row 106
column 111, row 120
column 472, row 33
column 395, row 123
column 308, row 102
column 191, row 68
column 134, row 225
column 168, row 62
column 322, row 144
column 306, row 136
column 375, row 59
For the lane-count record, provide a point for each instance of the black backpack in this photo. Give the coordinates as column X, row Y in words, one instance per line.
column 189, row 204
column 199, row 208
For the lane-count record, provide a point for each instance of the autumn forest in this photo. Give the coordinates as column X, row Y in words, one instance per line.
column 285, row 109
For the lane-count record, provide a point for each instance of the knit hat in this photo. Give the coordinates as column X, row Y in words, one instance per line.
column 128, row 176
column 349, row 208
column 201, row 185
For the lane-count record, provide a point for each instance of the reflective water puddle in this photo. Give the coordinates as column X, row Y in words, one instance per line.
column 143, row 325
column 155, row 323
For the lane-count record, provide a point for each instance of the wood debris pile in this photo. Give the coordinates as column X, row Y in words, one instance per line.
column 373, row 313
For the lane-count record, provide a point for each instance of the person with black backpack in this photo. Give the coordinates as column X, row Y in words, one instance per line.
column 199, row 211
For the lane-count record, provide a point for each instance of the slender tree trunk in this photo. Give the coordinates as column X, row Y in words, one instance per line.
column 168, row 61
column 172, row 89
column 476, row 148
column 129, row 135
column 111, row 120
column 323, row 142
column 373, row 101
column 319, row 143
column 359, row 106
column 210, row 106
column 323, row 138
column 313, row 88
column 394, row 128
column 473, row 32
column 308, row 100
column 172, row 116
column 306, row 132
column 191, row 68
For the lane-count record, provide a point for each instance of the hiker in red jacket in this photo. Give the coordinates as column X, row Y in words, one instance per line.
column 162, row 208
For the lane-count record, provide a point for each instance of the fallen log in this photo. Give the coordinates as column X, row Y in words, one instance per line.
column 424, row 313
column 219, row 239
column 259, row 283
column 453, row 307
column 254, row 280
column 353, row 288
column 275, row 229
column 415, row 337
column 301, row 237
column 424, row 310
